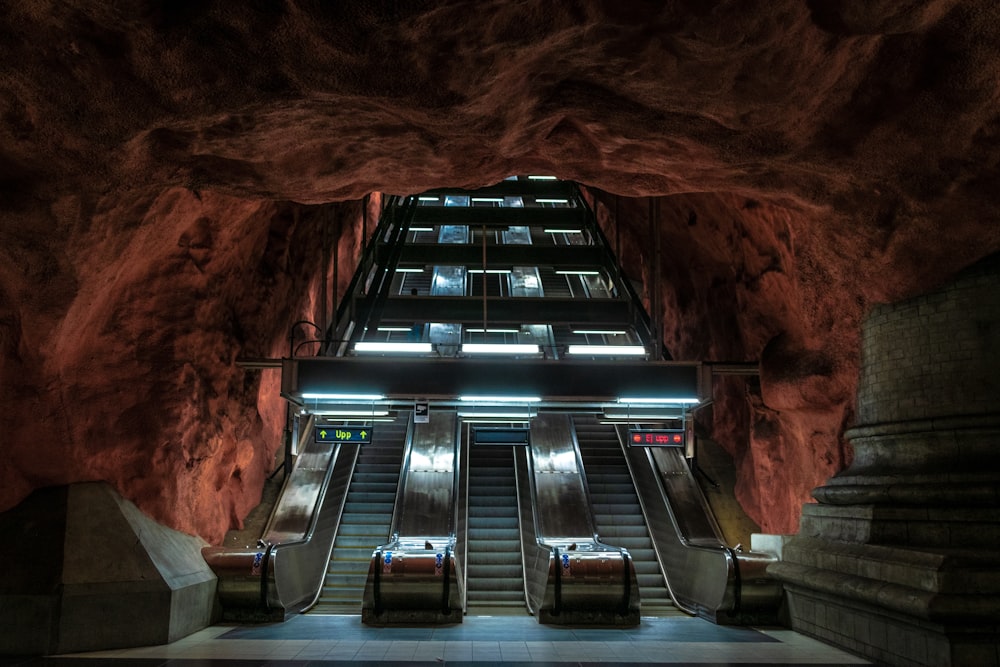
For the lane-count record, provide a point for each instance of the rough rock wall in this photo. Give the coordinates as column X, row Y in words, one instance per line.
column 120, row 364
column 812, row 158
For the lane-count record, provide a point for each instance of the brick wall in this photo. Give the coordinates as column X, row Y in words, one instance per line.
column 934, row 355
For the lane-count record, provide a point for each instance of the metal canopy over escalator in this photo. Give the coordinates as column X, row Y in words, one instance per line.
column 500, row 308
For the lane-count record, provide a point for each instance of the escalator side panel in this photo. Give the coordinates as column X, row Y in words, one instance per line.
column 700, row 578
column 562, row 509
column 415, row 578
column 428, row 494
column 587, row 582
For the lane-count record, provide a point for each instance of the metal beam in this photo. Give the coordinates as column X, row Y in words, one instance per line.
column 499, row 255
column 446, row 379
column 560, row 218
column 532, row 188
column 461, row 309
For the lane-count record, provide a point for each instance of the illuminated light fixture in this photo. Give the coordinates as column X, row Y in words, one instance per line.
column 408, row 270
column 635, row 418
column 573, row 272
column 343, row 397
column 552, row 201
column 351, row 413
column 500, row 399
column 512, row 416
column 599, row 332
column 371, row 346
column 542, row 178
column 510, row 331
column 607, row 350
column 499, row 348
column 494, row 199
column 395, row 329
column 498, row 271
column 428, row 198
column 659, row 400
column 421, row 229
column 562, row 231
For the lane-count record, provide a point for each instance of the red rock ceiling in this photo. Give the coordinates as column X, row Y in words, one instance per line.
column 162, row 167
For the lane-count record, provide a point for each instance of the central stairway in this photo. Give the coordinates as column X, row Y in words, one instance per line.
column 366, row 519
column 617, row 512
column 495, row 579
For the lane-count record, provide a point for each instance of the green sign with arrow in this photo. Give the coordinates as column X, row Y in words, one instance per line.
column 359, row 434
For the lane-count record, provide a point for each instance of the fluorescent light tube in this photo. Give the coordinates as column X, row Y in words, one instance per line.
column 428, row 198
column 513, row 416
column 552, row 201
column 542, row 178
column 659, row 400
column 510, row 331
column 607, row 350
column 499, row 348
column 561, row 231
column 395, row 328
column 408, row 270
column 371, row 346
column 489, row 270
column 343, row 397
column 494, row 199
column 571, row 272
column 351, row 413
column 421, row 229
column 500, row 399
column 599, row 332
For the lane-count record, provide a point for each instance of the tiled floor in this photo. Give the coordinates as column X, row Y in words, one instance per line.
column 329, row 641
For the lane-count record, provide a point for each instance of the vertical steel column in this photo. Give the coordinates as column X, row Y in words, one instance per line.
column 323, row 295
column 485, row 334
column 654, row 298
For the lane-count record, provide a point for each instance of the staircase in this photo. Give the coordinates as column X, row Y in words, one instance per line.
column 366, row 519
column 617, row 511
column 554, row 285
column 494, row 578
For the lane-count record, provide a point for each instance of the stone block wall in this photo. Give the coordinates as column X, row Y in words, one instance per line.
column 897, row 560
column 934, row 355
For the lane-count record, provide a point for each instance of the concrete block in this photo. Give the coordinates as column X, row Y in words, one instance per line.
column 106, row 576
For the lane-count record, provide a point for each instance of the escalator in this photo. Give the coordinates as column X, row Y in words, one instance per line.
column 495, row 578
column 365, row 521
column 617, row 511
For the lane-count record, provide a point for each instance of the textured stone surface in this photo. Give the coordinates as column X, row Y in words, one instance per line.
column 936, row 355
column 807, row 159
column 907, row 534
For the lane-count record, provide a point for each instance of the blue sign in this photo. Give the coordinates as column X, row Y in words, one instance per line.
column 500, row 436
column 360, row 434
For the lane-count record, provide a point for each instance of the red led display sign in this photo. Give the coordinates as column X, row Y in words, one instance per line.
column 656, row 438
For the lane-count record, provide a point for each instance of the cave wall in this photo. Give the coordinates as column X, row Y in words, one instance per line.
column 164, row 169
column 127, row 372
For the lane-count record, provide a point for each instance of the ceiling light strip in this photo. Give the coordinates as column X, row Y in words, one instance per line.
column 341, row 397
column 372, row 346
column 607, row 350
column 500, row 399
column 500, row 348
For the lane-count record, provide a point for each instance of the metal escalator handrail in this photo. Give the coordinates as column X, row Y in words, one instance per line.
column 275, row 575
column 348, row 472
column 304, row 436
column 245, row 566
column 532, row 550
column 654, row 501
column 640, row 314
column 334, row 335
column 404, row 470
